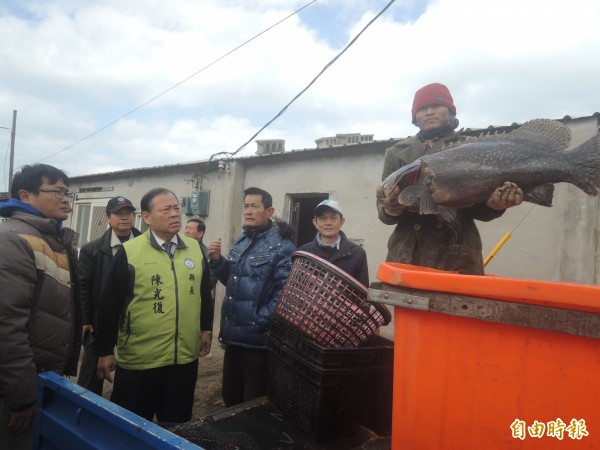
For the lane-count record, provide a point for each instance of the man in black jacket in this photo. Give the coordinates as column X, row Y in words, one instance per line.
column 94, row 262
column 331, row 243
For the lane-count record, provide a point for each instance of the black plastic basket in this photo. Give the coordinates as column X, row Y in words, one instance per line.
column 324, row 403
column 326, row 304
column 375, row 352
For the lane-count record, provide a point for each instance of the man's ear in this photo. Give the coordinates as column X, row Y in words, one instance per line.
column 453, row 122
column 270, row 212
column 146, row 217
column 25, row 195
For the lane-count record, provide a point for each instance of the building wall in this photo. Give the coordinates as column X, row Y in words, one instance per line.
column 556, row 244
column 350, row 181
column 560, row 243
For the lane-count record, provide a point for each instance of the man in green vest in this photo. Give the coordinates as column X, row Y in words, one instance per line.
column 155, row 307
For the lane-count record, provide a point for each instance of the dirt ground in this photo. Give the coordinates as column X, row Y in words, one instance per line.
column 207, row 398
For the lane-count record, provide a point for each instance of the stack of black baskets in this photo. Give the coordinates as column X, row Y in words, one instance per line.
column 328, row 370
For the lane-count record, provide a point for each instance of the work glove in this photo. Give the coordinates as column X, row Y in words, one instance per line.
column 506, row 196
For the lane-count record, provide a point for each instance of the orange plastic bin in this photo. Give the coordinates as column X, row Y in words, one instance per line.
column 485, row 362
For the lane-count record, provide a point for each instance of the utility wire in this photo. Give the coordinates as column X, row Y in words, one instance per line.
column 178, row 84
column 231, row 154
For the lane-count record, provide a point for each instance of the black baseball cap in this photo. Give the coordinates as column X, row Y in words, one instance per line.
column 117, row 203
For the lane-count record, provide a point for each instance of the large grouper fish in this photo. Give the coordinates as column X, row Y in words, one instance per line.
column 533, row 156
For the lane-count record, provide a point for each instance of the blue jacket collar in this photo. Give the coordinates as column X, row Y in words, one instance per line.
column 14, row 205
column 7, row 208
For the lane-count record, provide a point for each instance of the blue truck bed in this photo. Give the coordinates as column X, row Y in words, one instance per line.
column 71, row 417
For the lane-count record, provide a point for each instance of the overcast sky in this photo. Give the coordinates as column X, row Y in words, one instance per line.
column 72, row 67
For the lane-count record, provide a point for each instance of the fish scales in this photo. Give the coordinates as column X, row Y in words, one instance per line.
column 472, row 172
column 532, row 156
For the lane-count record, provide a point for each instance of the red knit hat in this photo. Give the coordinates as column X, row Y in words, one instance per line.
column 432, row 94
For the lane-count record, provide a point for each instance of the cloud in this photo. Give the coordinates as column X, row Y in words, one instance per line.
column 70, row 68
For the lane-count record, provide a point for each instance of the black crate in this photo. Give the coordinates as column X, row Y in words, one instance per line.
column 376, row 352
column 324, row 403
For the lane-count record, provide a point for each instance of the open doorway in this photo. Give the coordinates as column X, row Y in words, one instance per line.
column 302, row 208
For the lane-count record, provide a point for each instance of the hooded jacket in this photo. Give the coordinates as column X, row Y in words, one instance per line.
column 254, row 273
column 40, row 316
column 94, row 263
column 350, row 258
column 421, row 239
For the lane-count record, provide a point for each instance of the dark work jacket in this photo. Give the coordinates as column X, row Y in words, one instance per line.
column 351, row 258
column 421, row 239
column 254, row 273
column 94, row 263
column 40, row 315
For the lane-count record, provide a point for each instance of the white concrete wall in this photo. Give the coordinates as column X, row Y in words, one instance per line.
column 352, row 182
column 561, row 243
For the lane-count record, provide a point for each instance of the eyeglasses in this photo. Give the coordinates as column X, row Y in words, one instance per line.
column 58, row 193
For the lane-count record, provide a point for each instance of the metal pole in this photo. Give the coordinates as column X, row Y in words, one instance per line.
column 12, row 149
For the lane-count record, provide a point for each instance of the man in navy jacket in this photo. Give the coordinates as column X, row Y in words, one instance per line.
column 254, row 273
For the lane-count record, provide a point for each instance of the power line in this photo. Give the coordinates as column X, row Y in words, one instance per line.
column 231, row 154
column 178, row 84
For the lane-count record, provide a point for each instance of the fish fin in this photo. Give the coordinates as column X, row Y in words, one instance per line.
column 540, row 195
column 427, row 206
column 550, row 133
column 449, row 217
column 411, row 195
column 585, row 159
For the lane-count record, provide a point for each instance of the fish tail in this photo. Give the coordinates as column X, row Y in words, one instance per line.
column 585, row 160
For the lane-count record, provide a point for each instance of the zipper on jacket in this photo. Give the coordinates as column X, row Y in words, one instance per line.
column 172, row 257
column 128, row 327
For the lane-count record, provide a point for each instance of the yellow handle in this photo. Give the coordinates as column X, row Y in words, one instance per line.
column 496, row 248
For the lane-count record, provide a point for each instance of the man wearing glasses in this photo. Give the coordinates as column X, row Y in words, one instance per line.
column 40, row 323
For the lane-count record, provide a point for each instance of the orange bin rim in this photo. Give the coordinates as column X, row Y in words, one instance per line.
column 581, row 297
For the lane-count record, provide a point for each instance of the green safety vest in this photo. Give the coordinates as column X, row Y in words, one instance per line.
column 161, row 325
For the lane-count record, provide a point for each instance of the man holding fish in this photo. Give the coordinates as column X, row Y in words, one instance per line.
column 423, row 237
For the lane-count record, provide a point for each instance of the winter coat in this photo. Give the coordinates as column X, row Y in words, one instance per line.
column 94, row 263
column 421, row 239
column 254, row 273
column 351, row 258
column 40, row 316
column 157, row 303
